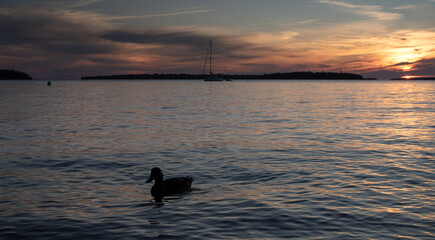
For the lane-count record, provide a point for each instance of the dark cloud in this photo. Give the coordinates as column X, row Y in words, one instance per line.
column 49, row 45
column 149, row 37
column 79, row 47
column 400, row 64
column 25, row 27
column 324, row 66
column 67, row 43
column 53, row 33
column 423, row 67
column 193, row 43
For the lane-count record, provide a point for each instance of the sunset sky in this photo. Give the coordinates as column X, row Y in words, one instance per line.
column 66, row 39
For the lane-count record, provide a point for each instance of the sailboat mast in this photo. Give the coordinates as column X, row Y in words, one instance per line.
column 210, row 57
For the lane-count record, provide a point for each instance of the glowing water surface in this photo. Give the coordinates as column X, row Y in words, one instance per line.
column 271, row 160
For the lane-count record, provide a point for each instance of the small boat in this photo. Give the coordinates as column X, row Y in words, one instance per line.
column 211, row 76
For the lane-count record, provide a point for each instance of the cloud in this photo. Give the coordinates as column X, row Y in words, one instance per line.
column 62, row 41
column 70, row 40
column 404, row 7
column 287, row 22
column 54, row 4
column 73, row 4
column 72, row 43
column 308, row 21
column 82, row 3
column 423, row 67
column 182, row 44
column 373, row 11
column 166, row 14
column 45, row 30
column 156, row 37
column 400, row 64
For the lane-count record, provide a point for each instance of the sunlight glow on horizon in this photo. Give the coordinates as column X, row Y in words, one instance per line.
column 411, row 77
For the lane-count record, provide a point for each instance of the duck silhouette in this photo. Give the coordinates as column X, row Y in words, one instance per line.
column 166, row 187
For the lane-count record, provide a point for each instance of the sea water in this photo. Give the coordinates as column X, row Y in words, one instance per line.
column 270, row 159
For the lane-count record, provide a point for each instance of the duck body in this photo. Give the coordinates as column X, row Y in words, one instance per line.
column 166, row 187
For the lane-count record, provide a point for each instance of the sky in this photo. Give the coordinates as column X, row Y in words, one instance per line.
column 67, row 39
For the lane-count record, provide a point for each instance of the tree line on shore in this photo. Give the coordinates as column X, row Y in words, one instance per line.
column 10, row 74
column 283, row 75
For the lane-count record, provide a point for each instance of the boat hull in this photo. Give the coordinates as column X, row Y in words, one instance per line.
column 214, row 78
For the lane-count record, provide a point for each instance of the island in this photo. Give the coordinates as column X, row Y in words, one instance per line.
column 10, row 74
column 268, row 76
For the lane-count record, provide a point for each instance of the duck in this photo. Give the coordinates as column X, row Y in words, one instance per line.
column 166, row 187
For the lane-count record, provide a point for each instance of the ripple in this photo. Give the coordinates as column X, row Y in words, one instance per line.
column 298, row 159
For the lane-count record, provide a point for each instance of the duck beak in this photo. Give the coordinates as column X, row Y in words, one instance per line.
column 150, row 179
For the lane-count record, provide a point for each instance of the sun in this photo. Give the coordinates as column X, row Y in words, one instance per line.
column 409, row 77
column 404, row 58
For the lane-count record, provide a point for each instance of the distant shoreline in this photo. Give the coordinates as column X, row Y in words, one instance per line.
column 266, row 76
column 10, row 74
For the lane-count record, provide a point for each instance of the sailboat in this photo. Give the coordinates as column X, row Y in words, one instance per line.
column 211, row 77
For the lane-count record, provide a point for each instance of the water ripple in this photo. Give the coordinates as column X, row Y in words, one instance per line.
column 270, row 160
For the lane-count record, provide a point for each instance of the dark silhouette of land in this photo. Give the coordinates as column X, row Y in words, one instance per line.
column 10, row 74
column 274, row 76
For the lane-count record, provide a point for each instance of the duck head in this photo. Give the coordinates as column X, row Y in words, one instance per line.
column 156, row 174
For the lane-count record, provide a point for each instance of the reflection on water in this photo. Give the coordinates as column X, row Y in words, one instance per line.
column 282, row 159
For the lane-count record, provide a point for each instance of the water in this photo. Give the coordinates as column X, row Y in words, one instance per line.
column 271, row 160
